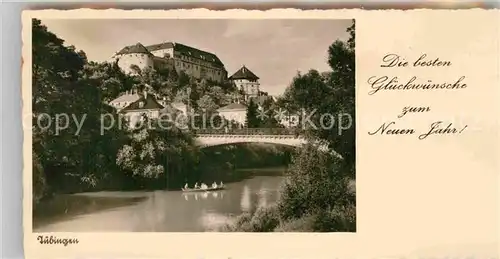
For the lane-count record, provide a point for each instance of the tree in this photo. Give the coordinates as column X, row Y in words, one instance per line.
column 55, row 85
column 139, row 156
column 332, row 92
column 319, row 183
column 39, row 183
column 316, row 183
column 341, row 58
column 160, row 153
column 307, row 91
column 207, row 104
column 269, row 120
column 67, row 87
column 252, row 120
column 183, row 80
column 108, row 77
column 217, row 94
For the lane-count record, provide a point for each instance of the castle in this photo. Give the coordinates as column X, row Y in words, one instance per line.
column 194, row 62
column 197, row 63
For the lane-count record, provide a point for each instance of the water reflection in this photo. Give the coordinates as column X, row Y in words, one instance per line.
column 246, row 202
column 203, row 195
column 262, row 199
column 167, row 211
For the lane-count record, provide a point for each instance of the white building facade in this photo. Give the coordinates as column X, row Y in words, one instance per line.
column 194, row 62
column 135, row 55
column 236, row 112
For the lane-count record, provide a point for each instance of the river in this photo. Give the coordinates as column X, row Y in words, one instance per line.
column 157, row 211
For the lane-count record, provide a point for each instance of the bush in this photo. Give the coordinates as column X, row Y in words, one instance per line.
column 240, row 224
column 303, row 224
column 338, row 219
column 318, row 196
column 319, row 190
column 264, row 219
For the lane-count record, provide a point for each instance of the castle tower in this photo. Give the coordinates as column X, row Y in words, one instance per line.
column 247, row 81
column 136, row 55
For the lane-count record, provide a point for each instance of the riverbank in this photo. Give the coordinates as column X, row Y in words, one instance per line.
column 276, row 169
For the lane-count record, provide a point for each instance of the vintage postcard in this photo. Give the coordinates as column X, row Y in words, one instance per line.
column 261, row 134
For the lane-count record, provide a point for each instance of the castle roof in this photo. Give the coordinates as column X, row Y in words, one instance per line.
column 244, row 73
column 165, row 45
column 137, row 48
column 187, row 51
column 148, row 103
column 233, row 106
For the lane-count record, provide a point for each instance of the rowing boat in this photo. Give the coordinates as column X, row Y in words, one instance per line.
column 218, row 188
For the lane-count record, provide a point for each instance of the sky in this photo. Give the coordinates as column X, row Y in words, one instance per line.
column 273, row 49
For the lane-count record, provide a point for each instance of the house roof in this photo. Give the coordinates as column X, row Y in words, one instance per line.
column 244, row 73
column 170, row 109
column 149, row 103
column 137, row 48
column 233, row 106
column 188, row 51
column 126, row 98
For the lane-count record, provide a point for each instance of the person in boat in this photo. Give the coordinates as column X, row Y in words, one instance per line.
column 196, row 185
column 204, row 186
column 186, row 186
column 214, row 185
column 221, row 184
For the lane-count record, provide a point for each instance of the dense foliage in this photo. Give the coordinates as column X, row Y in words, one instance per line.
column 330, row 93
column 67, row 104
column 252, row 118
column 319, row 194
column 72, row 92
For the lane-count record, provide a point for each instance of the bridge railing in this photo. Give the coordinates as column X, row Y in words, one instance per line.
column 249, row 131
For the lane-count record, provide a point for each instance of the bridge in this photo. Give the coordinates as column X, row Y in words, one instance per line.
column 280, row 136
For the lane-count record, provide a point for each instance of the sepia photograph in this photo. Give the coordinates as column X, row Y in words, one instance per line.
column 193, row 125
